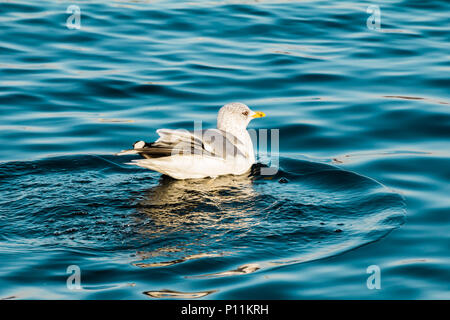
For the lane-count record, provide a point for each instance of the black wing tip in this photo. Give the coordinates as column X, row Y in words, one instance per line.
column 142, row 144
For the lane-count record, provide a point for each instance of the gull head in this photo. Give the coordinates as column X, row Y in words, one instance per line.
column 236, row 116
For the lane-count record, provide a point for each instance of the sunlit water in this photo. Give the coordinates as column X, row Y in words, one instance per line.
column 364, row 150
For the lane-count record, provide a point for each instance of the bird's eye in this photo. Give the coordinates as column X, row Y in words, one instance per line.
column 245, row 113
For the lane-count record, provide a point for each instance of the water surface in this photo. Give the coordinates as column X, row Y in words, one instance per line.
column 364, row 137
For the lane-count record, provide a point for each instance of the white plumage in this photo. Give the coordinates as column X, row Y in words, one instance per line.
column 184, row 154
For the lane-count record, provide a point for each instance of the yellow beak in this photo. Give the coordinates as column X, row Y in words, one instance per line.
column 259, row 114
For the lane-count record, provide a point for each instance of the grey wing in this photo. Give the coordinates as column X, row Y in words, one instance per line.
column 221, row 144
column 211, row 142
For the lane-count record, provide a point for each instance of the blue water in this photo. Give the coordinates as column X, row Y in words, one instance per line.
column 364, row 120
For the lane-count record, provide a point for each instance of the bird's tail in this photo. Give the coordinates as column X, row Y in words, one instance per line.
column 125, row 152
column 136, row 146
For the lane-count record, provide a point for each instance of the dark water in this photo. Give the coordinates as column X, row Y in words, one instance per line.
column 364, row 124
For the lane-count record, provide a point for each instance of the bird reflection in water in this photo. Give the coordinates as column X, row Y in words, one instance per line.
column 188, row 219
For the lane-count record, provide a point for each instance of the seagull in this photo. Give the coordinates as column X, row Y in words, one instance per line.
column 183, row 154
